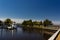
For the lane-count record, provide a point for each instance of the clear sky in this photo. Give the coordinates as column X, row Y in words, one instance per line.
column 30, row 9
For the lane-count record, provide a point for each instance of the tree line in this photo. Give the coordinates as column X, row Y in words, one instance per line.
column 7, row 22
column 31, row 23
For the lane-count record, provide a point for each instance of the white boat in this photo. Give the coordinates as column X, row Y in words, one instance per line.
column 9, row 27
column 12, row 27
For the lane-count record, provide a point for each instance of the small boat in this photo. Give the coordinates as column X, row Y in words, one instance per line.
column 9, row 27
column 13, row 26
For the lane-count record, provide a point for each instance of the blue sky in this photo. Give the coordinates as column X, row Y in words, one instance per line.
column 30, row 9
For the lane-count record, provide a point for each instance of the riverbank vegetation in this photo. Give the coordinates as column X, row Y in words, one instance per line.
column 27, row 23
column 36, row 23
column 7, row 22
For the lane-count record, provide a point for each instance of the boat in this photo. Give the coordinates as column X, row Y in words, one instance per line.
column 13, row 26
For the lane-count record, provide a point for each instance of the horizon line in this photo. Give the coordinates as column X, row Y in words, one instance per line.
column 20, row 20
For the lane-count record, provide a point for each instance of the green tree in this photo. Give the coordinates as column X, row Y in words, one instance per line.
column 47, row 22
column 8, row 22
column 41, row 23
column 1, row 23
column 35, row 23
column 29, row 22
column 24, row 23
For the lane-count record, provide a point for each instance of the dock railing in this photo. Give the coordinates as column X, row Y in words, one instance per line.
column 54, row 35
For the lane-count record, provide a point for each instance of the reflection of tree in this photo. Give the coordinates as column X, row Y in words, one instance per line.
column 29, row 30
column 1, row 32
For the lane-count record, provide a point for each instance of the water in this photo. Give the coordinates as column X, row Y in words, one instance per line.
column 20, row 34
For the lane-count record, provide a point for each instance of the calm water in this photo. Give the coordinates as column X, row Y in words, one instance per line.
column 20, row 34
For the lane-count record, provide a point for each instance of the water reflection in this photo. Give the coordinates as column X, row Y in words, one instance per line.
column 21, row 34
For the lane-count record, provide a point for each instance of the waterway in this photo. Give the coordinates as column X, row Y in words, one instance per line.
column 21, row 34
